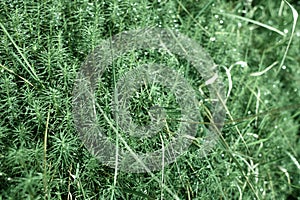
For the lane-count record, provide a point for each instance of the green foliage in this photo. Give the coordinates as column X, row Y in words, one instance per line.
column 45, row 44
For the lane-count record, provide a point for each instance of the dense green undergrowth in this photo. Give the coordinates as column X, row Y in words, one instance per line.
column 43, row 45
